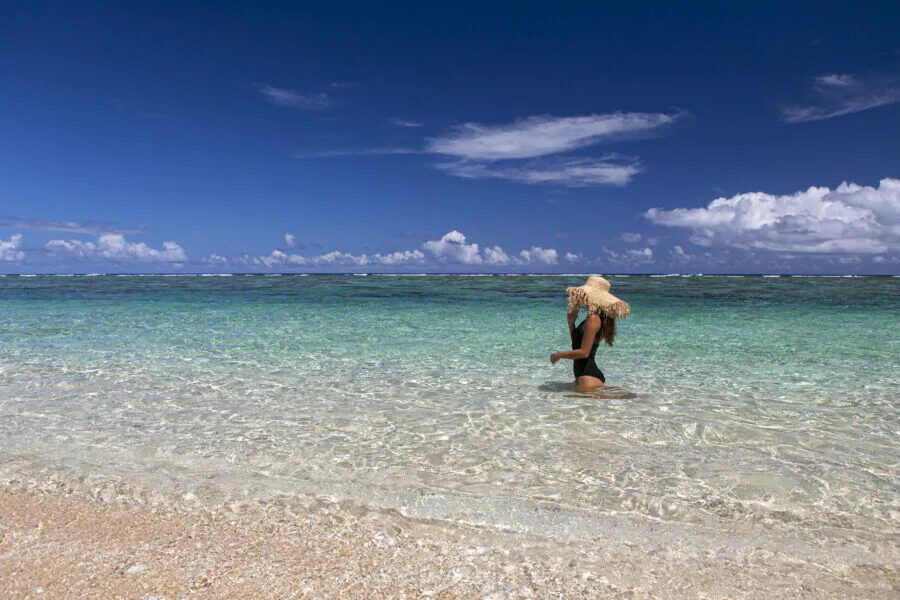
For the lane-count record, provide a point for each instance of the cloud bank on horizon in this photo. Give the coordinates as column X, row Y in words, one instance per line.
column 842, row 225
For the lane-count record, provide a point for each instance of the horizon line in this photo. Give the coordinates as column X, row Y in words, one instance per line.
column 441, row 274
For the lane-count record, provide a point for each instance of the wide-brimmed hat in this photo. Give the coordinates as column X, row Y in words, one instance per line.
column 595, row 297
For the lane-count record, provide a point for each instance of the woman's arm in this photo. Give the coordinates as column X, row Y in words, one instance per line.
column 570, row 318
column 591, row 328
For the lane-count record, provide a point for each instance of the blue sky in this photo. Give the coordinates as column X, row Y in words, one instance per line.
column 553, row 137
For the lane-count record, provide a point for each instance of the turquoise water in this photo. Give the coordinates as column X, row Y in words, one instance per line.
column 764, row 404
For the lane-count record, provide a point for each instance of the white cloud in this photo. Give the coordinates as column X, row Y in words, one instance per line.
column 573, row 257
column 216, row 259
column 496, row 256
column 840, row 94
column 581, row 172
column 67, row 226
column 405, row 122
column 640, row 255
column 290, row 240
column 517, row 151
column 536, row 254
column 836, row 80
column 632, row 238
column 295, row 99
column 399, row 258
column 630, row 257
column 9, row 249
column 113, row 246
column 338, row 258
column 542, row 135
column 679, row 255
column 453, row 247
column 849, row 219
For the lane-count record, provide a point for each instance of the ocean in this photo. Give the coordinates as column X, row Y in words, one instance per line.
column 766, row 414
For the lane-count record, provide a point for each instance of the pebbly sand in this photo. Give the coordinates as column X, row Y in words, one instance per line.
column 58, row 544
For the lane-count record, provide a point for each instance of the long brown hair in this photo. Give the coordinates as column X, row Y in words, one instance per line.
column 607, row 331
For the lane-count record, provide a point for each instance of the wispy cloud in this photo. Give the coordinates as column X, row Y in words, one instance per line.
column 524, row 150
column 295, row 99
column 67, row 226
column 576, row 172
column 405, row 122
column 836, row 80
column 542, row 135
column 837, row 94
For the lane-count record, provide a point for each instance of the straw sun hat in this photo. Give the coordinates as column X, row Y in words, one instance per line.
column 595, row 297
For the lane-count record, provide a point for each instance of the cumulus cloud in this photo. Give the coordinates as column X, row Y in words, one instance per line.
column 629, row 257
column 833, row 95
column 496, row 256
column 294, row 99
column 632, row 238
column 399, row 258
column 640, row 254
column 578, row 172
column 115, row 247
column 573, row 257
column 849, row 219
column 538, row 255
column 678, row 254
column 10, row 249
column 216, row 259
column 290, row 241
column 338, row 258
column 542, row 135
column 452, row 247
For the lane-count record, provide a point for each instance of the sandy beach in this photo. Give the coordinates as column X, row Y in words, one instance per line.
column 59, row 545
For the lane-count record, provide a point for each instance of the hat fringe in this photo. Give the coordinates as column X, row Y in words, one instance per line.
column 616, row 310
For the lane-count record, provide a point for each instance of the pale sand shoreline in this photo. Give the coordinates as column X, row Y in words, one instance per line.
column 58, row 545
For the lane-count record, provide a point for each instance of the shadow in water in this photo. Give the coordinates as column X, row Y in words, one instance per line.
column 608, row 392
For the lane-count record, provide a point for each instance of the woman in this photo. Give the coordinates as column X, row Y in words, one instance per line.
column 600, row 324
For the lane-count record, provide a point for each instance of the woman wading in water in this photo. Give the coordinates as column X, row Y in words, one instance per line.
column 600, row 324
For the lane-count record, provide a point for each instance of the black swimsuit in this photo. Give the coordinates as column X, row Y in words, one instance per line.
column 585, row 366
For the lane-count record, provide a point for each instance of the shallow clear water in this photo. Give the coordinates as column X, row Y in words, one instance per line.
column 763, row 402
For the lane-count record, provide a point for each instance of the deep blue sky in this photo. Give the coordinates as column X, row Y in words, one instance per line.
column 223, row 126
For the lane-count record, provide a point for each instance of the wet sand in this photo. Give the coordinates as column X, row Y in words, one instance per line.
column 58, row 545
